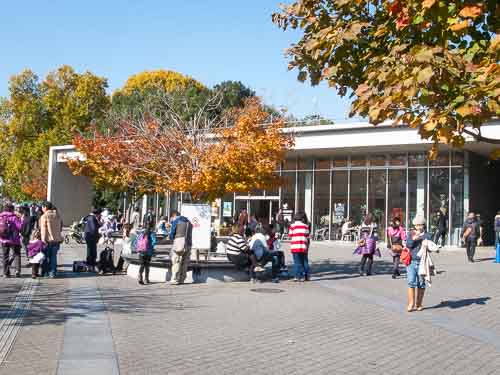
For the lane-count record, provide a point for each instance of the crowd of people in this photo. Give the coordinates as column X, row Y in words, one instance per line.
column 252, row 245
column 37, row 230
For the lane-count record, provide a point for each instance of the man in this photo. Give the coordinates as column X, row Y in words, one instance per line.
column 10, row 225
column 91, row 234
column 472, row 235
column 442, row 227
column 135, row 219
column 258, row 246
column 51, row 232
column 497, row 228
column 181, row 233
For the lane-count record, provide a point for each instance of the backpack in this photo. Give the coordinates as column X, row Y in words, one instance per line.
column 142, row 243
column 106, row 263
column 6, row 228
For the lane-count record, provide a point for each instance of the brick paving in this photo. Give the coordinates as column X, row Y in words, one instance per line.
column 339, row 323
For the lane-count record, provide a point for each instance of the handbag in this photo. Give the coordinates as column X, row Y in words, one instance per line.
column 406, row 256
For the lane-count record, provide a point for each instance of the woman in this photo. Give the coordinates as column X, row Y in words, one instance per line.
column 367, row 245
column 395, row 236
column 299, row 247
column 415, row 281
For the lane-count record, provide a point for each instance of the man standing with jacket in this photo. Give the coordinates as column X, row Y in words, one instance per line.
column 181, row 233
column 472, row 235
column 10, row 225
column 51, row 232
column 91, row 233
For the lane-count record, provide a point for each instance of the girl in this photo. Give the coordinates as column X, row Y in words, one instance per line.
column 299, row 236
column 35, row 250
column 395, row 237
column 415, row 281
column 367, row 245
column 145, row 249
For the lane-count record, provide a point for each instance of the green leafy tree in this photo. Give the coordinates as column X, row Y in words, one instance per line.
column 234, row 93
column 430, row 64
column 39, row 114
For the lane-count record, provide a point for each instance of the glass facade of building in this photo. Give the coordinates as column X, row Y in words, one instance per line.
column 330, row 190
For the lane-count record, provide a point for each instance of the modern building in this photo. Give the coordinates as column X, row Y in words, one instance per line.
column 346, row 170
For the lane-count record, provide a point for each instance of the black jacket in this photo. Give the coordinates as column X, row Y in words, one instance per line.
column 91, row 227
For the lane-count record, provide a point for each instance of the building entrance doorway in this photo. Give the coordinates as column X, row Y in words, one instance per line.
column 264, row 210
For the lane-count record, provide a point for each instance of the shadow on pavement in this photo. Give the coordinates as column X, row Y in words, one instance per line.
column 457, row 304
column 53, row 303
column 330, row 270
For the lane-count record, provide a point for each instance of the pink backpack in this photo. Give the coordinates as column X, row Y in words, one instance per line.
column 142, row 243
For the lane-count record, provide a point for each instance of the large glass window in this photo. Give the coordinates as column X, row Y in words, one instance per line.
column 288, row 190
column 322, row 164
column 340, row 162
column 376, row 198
column 457, row 203
column 396, row 200
column 358, row 195
column 377, row 160
column 321, row 219
column 358, row 161
column 339, row 202
column 417, row 194
column 439, row 185
column 417, row 160
column 398, row 160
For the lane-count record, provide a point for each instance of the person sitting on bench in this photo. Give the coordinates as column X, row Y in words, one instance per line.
column 259, row 248
column 238, row 252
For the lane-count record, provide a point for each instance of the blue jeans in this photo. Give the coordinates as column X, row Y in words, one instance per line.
column 50, row 263
column 301, row 265
column 414, row 279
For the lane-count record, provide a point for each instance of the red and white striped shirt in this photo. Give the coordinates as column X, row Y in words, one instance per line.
column 299, row 234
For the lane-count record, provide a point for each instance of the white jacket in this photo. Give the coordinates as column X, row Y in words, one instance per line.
column 426, row 267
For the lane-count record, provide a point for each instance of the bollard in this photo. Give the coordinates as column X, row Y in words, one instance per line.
column 497, row 259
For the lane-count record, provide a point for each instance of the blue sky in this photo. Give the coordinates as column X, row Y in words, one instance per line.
column 211, row 41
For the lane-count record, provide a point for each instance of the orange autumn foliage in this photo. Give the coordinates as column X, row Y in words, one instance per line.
column 189, row 157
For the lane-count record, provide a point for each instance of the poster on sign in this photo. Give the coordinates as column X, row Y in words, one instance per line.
column 200, row 216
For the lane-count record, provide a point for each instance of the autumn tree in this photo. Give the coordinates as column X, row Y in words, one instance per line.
column 430, row 64
column 39, row 114
column 152, row 147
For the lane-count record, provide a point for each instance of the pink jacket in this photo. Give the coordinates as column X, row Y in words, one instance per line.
column 396, row 232
column 17, row 223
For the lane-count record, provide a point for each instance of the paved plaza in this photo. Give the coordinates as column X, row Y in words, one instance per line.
column 340, row 323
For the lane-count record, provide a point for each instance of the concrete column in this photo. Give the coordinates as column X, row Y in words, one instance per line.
column 421, row 191
column 308, row 195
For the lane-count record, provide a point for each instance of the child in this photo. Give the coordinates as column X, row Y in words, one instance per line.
column 145, row 247
column 128, row 246
column 274, row 245
column 35, row 253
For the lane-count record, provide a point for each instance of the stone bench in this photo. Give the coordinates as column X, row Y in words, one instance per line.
column 202, row 271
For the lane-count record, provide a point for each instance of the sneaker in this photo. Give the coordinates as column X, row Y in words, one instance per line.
column 301, row 280
column 307, row 278
column 253, row 280
column 393, row 275
column 296, row 280
column 140, row 282
column 259, row 269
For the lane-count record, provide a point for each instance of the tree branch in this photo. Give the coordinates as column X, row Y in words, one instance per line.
column 478, row 137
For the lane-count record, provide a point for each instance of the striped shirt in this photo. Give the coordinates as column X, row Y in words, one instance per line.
column 236, row 244
column 299, row 234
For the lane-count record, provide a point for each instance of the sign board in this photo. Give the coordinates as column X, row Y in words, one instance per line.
column 227, row 209
column 200, row 216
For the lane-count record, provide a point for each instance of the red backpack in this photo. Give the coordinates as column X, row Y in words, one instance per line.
column 6, row 228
